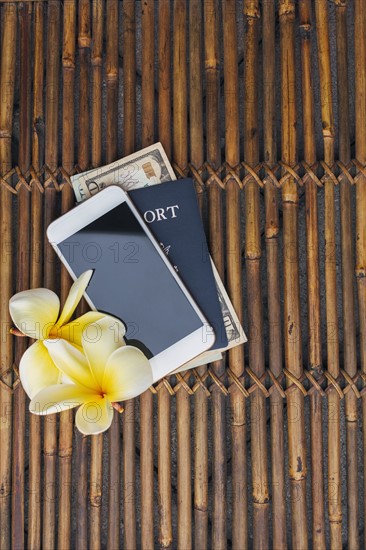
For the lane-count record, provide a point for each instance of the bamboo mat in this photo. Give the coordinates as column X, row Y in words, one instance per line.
column 265, row 449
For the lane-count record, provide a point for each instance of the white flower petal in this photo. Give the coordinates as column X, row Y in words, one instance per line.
column 100, row 340
column 127, row 374
column 60, row 397
column 35, row 311
column 72, row 332
column 37, row 370
column 94, row 417
column 72, row 362
column 65, row 379
column 76, row 292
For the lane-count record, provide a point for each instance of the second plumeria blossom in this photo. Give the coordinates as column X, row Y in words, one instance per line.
column 105, row 372
column 36, row 314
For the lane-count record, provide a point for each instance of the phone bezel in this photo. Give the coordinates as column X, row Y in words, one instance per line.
column 82, row 215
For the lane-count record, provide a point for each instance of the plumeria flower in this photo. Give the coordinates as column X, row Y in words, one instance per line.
column 104, row 373
column 36, row 313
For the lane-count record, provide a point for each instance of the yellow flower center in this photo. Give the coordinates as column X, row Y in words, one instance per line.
column 53, row 333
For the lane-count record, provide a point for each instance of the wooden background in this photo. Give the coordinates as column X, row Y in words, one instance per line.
column 264, row 104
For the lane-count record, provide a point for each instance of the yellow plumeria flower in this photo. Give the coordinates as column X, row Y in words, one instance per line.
column 105, row 372
column 36, row 313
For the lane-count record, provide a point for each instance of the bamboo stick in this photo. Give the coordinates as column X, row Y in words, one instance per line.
column 334, row 460
column 18, row 474
column 164, row 411
column 38, row 109
column 67, row 417
column 36, row 275
column 349, row 328
column 197, row 158
column 51, row 159
column 274, row 307
column 180, row 156
column 95, row 492
column 25, row 12
column 292, row 329
column 111, row 75
column 180, row 146
column 332, row 319
column 129, row 77
column 315, row 359
column 84, row 43
column 213, row 155
column 96, row 467
column 164, row 98
column 52, row 88
column 147, row 469
column 65, row 448
column 234, row 244
column 360, row 59
column 114, row 483
column 195, row 80
column 146, row 399
column 96, row 62
column 8, row 53
column 68, row 76
column 82, row 489
column 129, row 144
column 254, row 299
column 360, row 268
column 147, row 82
column 111, row 154
column 164, row 469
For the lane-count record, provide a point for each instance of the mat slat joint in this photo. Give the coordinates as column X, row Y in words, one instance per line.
column 206, row 175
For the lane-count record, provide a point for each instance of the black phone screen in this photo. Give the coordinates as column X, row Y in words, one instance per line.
column 131, row 281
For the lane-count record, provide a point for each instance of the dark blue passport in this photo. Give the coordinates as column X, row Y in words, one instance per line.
column 171, row 212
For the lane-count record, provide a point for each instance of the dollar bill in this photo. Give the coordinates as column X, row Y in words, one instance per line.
column 147, row 167
column 234, row 331
column 202, row 359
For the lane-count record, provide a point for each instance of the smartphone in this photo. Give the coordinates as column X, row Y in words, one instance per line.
column 132, row 279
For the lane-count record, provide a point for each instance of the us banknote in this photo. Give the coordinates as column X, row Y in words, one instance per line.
column 234, row 331
column 147, row 167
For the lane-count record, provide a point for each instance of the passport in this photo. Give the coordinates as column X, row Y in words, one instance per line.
column 172, row 213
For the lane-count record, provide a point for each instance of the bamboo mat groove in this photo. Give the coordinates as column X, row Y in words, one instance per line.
column 263, row 103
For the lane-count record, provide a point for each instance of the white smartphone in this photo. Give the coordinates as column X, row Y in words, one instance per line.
column 132, row 279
